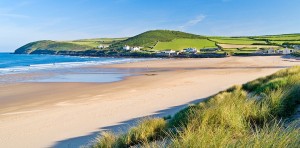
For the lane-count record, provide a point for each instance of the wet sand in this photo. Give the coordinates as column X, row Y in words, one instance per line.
column 70, row 114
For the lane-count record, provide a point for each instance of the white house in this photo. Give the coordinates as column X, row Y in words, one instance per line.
column 102, row 46
column 285, row 51
column 126, row 47
column 167, row 53
column 190, row 50
column 271, row 51
column 135, row 48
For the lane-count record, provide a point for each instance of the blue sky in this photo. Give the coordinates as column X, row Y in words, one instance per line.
column 23, row 21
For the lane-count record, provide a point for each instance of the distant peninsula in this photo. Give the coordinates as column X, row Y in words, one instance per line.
column 167, row 43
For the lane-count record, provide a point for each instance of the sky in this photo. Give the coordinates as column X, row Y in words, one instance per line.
column 23, row 21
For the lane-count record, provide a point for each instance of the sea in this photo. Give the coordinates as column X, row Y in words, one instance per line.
column 58, row 68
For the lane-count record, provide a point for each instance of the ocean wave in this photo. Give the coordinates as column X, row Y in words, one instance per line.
column 61, row 65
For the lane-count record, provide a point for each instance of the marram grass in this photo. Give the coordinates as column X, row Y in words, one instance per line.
column 252, row 115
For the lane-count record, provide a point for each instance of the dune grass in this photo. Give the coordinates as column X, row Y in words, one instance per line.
column 147, row 130
column 251, row 115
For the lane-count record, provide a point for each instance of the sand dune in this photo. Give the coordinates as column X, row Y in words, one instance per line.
column 71, row 114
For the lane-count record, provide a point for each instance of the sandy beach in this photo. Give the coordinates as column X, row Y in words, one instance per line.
column 71, row 114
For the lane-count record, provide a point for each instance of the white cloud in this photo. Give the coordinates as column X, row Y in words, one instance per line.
column 193, row 22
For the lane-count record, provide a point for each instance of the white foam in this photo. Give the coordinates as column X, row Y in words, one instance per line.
column 35, row 67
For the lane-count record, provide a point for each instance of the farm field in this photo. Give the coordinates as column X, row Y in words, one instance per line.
column 287, row 37
column 179, row 44
column 96, row 42
column 240, row 50
column 281, row 42
column 237, row 41
column 246, row 46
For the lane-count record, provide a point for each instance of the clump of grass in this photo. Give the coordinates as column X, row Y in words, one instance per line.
column 107, row 140
column 148, row 129
column 271, row 135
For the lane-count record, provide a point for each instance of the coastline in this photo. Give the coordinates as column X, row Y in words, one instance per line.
column 79, row 109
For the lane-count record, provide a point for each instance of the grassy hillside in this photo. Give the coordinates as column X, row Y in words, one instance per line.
column 51, row 45
column 150, row 38
column 162, row 40
column 251, row 115
column 97, row 41
column 76, row 45
column 179, row 44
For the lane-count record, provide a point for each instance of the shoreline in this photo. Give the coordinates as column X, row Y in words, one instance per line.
column 79, row 110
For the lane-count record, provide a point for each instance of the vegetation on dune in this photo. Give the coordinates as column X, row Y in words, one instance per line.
column 150, row 38
column 147, row 130
column 251, row 115
column 179, row 44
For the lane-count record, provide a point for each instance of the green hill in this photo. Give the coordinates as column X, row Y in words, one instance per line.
column 150, row 38
column 50, row 45
column 76, row 45
column 179, row 44
column 159, row 40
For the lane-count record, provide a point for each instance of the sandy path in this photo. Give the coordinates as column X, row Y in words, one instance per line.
column 70, row 114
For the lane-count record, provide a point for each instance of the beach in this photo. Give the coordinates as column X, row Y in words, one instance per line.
column 71, row 114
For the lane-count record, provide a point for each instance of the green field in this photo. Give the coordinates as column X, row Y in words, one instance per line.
column 179, row 44
column 94, row 43
column 281, row 42
column 248, row 49
column 237, row 41
column 284, row 37
column 240, row 50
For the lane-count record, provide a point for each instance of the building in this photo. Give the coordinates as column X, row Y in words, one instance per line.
column 167, row 53
column 126, row 47
column 285, row 51
column 135, row 48
column 271, row 51
column 102, row 46
column 209, row 50
column 190, row 50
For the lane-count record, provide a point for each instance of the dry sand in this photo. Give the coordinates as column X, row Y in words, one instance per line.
column 70, row 114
